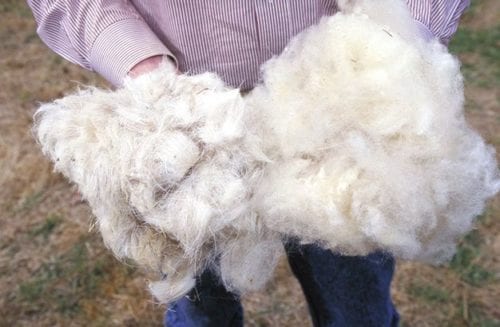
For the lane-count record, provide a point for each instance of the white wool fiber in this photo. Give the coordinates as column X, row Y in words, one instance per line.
column 364, row 123
column 355, row 140
column 164, row 164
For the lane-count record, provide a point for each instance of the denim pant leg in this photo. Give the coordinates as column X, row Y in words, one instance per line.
column 345, row 290
column 209, row 304
column 340, row 291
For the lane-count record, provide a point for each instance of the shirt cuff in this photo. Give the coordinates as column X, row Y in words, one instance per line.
column 121, row 46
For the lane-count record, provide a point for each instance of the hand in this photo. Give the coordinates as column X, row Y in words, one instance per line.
column 148, row 65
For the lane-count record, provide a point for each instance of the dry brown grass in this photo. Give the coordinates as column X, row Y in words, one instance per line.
column 55, row 272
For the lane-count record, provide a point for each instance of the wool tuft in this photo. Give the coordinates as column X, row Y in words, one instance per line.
column 165, row 165
column 363, row 121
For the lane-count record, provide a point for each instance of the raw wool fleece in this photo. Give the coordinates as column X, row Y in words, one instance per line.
column 165, row 165
column 355, row 140
column 364, row 123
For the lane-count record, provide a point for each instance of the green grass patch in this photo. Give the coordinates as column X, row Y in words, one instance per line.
column 32, row 290
column 485, row 42
column 428, row 293
column 63, row 282
column 478, row 318
column 16, row 7
column 466, row 263
column 30, row 202
column 488, row 218
column 484, row 71
column 477, row 275
column 47, row 227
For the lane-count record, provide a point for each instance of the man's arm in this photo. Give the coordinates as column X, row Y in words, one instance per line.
column 107, row 36
column 440, row 17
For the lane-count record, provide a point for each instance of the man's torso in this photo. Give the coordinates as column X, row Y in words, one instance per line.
column 231, row 38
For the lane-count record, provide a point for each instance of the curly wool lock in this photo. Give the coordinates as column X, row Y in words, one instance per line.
column 369, row 143
column 164, row 164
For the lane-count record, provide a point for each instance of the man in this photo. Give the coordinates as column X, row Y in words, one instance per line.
column 117, row 38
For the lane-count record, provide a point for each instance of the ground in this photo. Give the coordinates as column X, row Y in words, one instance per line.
column 55, row 271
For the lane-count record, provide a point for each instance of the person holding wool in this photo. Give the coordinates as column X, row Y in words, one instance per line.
column 119, row 38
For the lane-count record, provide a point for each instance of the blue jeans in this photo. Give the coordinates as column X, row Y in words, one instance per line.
column 340, row 291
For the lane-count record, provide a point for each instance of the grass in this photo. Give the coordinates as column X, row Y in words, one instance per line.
column 476, row 317
column 480, row 50
column 484, row 42
column 14, row 7
column 428, row 293
column 465, row 261
column 63, row 282
column 47, row 227
column 30, row 201
column 66, row 284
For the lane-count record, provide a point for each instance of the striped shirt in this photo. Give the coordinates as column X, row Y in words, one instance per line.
column 230, row 37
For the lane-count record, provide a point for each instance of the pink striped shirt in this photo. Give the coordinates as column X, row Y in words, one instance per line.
column 229, row 37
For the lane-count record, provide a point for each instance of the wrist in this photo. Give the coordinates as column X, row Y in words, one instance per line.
column 145, row 66
column 148, row 65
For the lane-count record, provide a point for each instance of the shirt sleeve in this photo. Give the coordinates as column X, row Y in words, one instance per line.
column 106, row 36
column 440, row 17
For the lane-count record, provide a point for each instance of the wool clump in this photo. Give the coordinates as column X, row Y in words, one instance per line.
column 354, row 140
column 165, row 165
column 363, row 121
